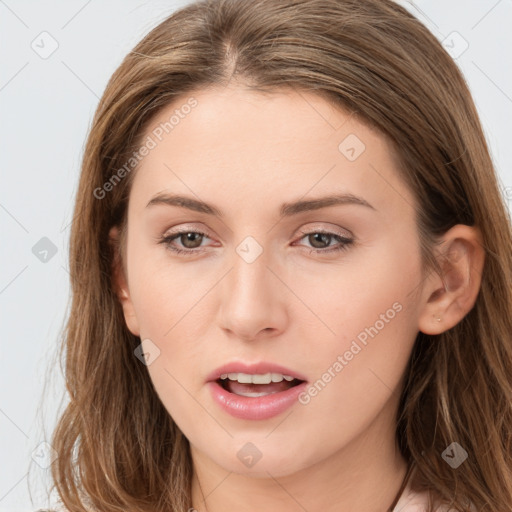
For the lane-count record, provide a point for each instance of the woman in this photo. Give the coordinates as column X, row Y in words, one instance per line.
column 290, row 266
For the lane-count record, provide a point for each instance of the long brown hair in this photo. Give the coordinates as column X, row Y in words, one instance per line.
column 118, row 448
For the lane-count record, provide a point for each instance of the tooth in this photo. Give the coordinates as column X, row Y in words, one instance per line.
column 262, row 379
column 267, row 378
column 254, row 395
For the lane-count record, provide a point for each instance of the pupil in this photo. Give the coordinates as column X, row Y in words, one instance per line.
column 189, row 237
column 315, row 237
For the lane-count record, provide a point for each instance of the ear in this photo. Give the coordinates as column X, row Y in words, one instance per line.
column 450, row 296
column 120, row 283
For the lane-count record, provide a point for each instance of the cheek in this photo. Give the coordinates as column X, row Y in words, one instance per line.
column 164, row 292
column 366, row 319
column 167, row 305
column 356, row 299
column 367, row 289
column 168, row 302
column 373, row 315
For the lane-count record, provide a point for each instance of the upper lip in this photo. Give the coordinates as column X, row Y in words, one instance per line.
column 251, row 369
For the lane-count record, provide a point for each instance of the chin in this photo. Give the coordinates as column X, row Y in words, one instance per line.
column 268, row 460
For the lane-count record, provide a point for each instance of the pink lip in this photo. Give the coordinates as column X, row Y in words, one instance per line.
column 253, row 368
column 255, row 408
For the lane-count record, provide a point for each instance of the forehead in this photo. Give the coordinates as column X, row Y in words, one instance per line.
column 246, row 148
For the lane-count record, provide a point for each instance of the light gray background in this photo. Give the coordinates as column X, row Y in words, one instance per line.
column 47, row 106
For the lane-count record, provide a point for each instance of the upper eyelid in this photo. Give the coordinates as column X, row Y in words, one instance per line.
column 332, row 231
column 313, row 229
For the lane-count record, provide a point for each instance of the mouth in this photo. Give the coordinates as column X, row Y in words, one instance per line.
column 255, row 391
column 257, row 385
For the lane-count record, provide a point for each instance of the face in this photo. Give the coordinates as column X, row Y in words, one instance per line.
column 270, row 279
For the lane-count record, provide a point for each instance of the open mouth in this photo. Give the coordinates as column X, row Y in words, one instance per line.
column 265, row 391
column 254, row 386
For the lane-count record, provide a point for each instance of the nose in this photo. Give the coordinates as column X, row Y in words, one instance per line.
column 253, row 299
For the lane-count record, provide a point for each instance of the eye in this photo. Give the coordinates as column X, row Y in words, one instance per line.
column 190, row 240
column 320, row 239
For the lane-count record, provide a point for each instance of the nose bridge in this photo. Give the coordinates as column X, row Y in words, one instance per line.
column 250, row 276
column 250, row 296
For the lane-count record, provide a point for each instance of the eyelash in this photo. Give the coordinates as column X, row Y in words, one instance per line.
column 344, row 241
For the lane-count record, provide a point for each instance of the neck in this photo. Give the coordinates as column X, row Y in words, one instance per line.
column 365, row 475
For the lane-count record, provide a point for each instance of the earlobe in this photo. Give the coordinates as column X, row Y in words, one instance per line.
column 120, row 284
column 451, row 295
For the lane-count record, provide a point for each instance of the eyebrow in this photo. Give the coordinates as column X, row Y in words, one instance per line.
column 286, row 210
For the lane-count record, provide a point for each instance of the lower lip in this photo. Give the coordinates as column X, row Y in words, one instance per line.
column 256, row 408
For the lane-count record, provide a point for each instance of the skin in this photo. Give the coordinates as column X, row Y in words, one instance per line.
column 247, row 153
